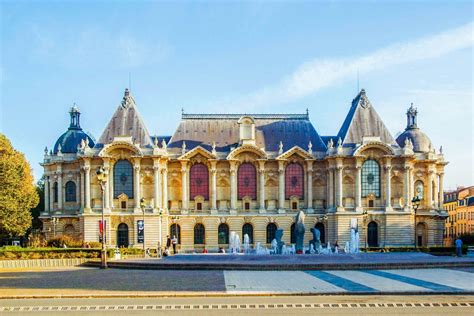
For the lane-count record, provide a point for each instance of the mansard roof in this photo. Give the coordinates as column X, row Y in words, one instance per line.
column 223, row 129
column 363, row 121
column 126, row 121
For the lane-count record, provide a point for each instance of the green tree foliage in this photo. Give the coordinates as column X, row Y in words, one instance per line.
column 36, row 211
column 17, row 193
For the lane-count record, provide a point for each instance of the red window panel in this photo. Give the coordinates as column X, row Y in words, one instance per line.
column 199, row 181
column 247, row 181
column 294, row 181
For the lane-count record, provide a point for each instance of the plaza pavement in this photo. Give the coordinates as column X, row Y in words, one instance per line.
column 92, row 282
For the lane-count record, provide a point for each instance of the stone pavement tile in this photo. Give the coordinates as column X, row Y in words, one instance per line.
column 425, row 284
column 378, row 282
column 346, row 284
column 277, row 282
column 444, row 277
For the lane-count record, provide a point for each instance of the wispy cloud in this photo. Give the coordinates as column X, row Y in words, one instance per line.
column 317, row 74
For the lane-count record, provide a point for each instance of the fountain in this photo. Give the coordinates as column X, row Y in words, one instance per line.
column 247, row 249
column 354, row 243
column 234, row 243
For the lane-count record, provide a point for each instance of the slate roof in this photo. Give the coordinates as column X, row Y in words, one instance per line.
column 70, row 139
column 126, row 121
column 270, row 129
column 362, row 121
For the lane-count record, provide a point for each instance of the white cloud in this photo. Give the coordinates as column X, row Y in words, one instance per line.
column 321, row 73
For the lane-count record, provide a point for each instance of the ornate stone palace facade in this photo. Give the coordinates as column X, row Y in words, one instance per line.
column 245, row 173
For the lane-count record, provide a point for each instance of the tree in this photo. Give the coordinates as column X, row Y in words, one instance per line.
column 17, row 193
column 36, row 211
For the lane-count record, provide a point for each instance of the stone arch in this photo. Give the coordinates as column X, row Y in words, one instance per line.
column 421, row 234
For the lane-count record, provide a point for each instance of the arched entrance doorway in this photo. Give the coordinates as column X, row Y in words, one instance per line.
column 372, row 235
column 322, row 231
column 122, row 235
column 421, row 240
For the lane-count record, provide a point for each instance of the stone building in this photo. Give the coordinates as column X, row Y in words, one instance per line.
column 248, row 173
column 459, row 204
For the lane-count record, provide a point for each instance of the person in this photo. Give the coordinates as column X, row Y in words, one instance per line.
column 204, row 251
column 174, row 241
column 168, row 242
column 336, row 247
column 159, row 252
column 147, row 252
column 458, row 244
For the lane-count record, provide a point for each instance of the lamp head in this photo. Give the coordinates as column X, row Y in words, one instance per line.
column 142, row 203
column 101, row 174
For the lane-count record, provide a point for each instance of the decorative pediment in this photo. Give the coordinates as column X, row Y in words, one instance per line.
column 295, row 150
column 198, row 151
column 260, row 153
column 386, row 149
column 121, row 146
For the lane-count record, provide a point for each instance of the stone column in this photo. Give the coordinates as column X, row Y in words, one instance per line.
column 165, row 188
column 184, row 185
column 136, row 184
column 46, row 194
column 51, row 193
column 407, row 187
column 60, row 188
column 106, row 201
column 358, row 186
column 233, row 185
column 339, row 168
column 429, row 197
column 331, row 187
column 388, row 186
column 261, row 173
column 87, row 173
column 156, row 185
column 441, row 190
column 436, row 190
column 111, row 185
column 281, row 185
column 213, row 185
column 309, row 182
column 82, row 190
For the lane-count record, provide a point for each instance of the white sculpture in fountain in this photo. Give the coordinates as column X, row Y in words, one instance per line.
column 234, row 243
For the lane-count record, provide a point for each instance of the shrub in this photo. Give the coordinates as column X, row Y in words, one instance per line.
column 95, row 244
column 60, row 241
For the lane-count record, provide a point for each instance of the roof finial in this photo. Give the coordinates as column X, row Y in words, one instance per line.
column 307, row 112
column 310, row 148
column 155, row 141
column 163, row 144
column 182, row 111
column 214, row 152
column 183, row 148
column 46, row 150
column 411, row 117
column 280, row 148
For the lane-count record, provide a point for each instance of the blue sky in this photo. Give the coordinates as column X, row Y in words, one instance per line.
column 257, row 56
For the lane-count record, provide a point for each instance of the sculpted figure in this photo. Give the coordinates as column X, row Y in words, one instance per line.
column 316, row 241
column 299, row 230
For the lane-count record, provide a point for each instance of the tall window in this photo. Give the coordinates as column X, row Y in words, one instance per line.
column 294, row 181
column 271, row 230
column 223, row 234
column 199, row 234
column 370, row 178
column 247, row 179
column 70, row 191
column 55, row 192
column 123, row 178
column 199, row 181
column 247, row 229
column 175, row 231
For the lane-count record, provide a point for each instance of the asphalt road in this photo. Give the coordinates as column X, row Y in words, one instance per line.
column 263, row 305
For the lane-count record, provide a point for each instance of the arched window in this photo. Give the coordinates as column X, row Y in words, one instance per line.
column 123, row 178
column 199, row 181
column 199, row 234
column 271, row 230
column 122, row 235
column 294, row 181
column 247, row 179
column 322, row 232
column 247, row 229
column 69, row 230
column 70, row 191
column 175, row 231
column 370, row 178
column 372, row 235
column 223, row 234
column 293, row 234
column 55, row 192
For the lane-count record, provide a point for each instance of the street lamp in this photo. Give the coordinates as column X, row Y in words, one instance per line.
column 364, row 219
column 102, row 178
column 416, row 203
column 159, row 253
column 142, row 206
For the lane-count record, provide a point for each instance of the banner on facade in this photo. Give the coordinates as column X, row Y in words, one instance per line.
column 141, row 231
column 102, row 227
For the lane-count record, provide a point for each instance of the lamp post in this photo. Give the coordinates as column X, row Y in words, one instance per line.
column 160, row 237
column 416, row 203
column 364, row 220
column 142, row 206
column 102, row 178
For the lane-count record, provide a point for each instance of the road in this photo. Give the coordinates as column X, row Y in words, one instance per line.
column 240, row 305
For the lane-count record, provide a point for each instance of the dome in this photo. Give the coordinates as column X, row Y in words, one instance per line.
column 421, row 142
column 69, row 141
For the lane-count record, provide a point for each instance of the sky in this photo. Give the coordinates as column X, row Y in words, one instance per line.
column 234, row 57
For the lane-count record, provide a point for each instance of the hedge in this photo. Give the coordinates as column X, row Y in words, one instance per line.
column 15, row 253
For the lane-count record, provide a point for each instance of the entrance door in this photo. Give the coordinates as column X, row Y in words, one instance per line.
column 372, row 234
column 420, row 235
column 122, row 235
